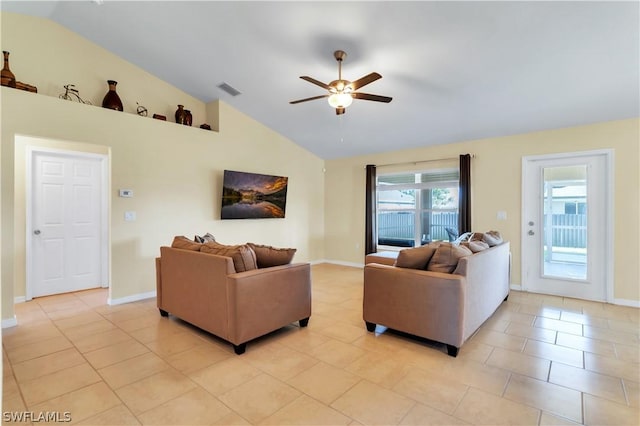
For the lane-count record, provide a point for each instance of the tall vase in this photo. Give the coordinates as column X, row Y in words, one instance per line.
column 111, row 99
column 188, row 118
column 180, row 114
column 7, row 77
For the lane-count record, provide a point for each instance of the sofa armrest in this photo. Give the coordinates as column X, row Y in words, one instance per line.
column 263, row 300
column 423, row 303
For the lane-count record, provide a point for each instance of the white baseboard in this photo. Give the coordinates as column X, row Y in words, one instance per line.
column 627, row 302
column 132, row 298
column 19, row 299
column 9, row 322
column 342, row 263
column 516, row 287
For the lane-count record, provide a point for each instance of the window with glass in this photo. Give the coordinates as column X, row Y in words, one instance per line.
column 417, row 208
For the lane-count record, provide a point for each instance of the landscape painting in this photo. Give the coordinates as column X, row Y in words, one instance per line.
column 253, row 196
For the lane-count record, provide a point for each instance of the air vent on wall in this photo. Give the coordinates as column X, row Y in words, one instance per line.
column 229, row 89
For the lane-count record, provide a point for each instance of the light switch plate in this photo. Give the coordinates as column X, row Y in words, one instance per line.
column 127, row 193
column 501, row 215
column 130, row 216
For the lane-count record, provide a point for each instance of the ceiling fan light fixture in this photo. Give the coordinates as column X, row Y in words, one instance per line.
column 340, row 100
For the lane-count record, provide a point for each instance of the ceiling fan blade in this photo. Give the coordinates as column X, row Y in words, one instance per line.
column 370, row 78
column 369, row 97
column 309, row 99
column 316, row 82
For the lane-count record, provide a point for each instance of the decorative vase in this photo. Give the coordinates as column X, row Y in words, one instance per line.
column 180, row 114
column 7, row 77
column 111, row 99
column 188, row 118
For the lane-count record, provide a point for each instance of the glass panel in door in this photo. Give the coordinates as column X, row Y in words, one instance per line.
column 564, row 224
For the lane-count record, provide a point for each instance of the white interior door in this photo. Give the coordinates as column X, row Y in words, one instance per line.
column 566, row 229
column 67, row 219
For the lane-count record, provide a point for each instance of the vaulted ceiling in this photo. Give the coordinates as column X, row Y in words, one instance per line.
column 456, row 70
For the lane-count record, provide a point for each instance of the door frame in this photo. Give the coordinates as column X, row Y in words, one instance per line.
column 609, row 213
column 31, row 152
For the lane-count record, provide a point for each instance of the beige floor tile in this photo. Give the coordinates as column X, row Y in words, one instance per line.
column 627, row 352
column 496, row 324
column 530, row 332
column 175, row 343
column 632, row 390
column 197, row 358
column 152, row 391
column 77, row 320
column 47, row 364
column 38, row 349
column 85, row 330
column 599, row 411
column 421, row 415
column 55, row 384
column 517, row 317
column 94, row 341
column 279, row 361
column 133, row 369
column 500, row 340
column 540, row 311
column 475, row 374
column 609, row 335
column 584, row 319
column 196, row 407
column 118, row 415
column 437, row 391
column 324, row 382
column 475, row 350
column 545, row 396
column 632, row 326
column 344, row 332
column 134, row 324
column 13, row 411
column 380, row 368
column 611, row 366
column 389, row 407
column 232, row 419
column 303, row 339
column 557, row 325
column 225, row 375
column 337, row 353
column 21, row 335
column 306, row 411
column 547, row 419
column 10, row 387
column 587, row 381
column 82, row 403
column 554, row 353
column 479, row 407
column 520, row 363
column 259, row 398
column 586, row 344
column 159, row 331
column 108, row 355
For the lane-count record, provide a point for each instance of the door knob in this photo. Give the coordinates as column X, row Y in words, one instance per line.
column 530, row 223
column 36, row 232
column 530, row 232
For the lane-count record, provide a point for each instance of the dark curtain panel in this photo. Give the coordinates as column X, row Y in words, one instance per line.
column 464, row 209
column 371, row 229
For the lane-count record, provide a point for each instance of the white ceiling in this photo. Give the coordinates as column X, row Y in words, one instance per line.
column 456, row 70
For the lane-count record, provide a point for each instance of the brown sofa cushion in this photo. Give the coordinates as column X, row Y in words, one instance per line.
column 206, row 238
column 446, row 257
column 244, row 259
column 185, row 243
column 417, row 257
column 267, row 256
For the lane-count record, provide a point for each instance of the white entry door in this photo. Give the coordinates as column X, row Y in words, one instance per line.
column 66, row 226
column 566, row 230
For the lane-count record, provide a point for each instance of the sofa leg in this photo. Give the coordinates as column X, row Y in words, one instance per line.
column 505, row 299
column 452, row 350
column 163, row 313
column 370, row 326
column 239, row 349
column 304, row 322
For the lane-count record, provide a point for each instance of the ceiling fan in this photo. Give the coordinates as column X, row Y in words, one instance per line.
column 343, row 92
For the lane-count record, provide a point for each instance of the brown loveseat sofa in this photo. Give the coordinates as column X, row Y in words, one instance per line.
column 205, row 290
column 444, row 307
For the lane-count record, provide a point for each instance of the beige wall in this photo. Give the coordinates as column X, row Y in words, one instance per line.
column 175, row 171
column 496, row 185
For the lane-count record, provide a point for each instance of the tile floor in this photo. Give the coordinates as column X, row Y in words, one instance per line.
column 539, row 360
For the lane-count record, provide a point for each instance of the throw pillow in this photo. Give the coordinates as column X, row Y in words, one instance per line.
column 417, row 257
column 475, row 246
column 244, row 259
column 206, row 238
column 493, row 238
column 446, row 257
column 184, row 243
column 267, row 256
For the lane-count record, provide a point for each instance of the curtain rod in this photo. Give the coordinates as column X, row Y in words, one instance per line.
column 421, row 161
